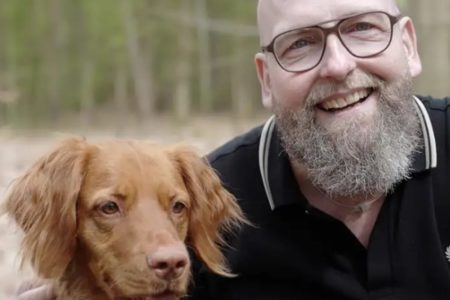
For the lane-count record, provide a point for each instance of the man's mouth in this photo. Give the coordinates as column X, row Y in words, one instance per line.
column 344, row 102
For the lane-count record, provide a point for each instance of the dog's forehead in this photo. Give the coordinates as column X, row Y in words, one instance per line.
column 123, row 159
column 136, row 170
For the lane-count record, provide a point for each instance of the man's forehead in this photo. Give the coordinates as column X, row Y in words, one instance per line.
column 265, row 6
column 276, row 16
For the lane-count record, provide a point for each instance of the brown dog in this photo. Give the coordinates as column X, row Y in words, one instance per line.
column 111, row 220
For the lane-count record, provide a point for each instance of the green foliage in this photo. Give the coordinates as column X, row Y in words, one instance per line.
column 65, row 56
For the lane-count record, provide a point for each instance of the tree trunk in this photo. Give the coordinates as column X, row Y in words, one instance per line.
column 140, row 66
column 121, row 97
column 240, row 78
column 204, row 55
column 86, row 71
column 87, row 92
column 182, row 97
column 55, row 58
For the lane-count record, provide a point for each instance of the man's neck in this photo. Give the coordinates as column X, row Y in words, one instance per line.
column 359, row 214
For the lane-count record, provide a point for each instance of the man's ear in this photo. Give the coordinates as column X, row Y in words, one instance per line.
column 264, row 80
column 409, row 41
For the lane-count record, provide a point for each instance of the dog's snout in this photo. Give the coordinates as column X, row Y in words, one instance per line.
column 168, row 263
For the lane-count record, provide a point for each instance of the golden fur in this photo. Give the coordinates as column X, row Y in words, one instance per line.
column 101, row 220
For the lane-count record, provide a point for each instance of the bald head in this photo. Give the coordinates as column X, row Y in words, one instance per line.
column 277, row 16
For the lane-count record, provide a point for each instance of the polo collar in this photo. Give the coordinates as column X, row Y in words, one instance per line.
column 276, row 171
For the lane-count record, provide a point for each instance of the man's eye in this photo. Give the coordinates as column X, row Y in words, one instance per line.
column 362, row 26
column 109, row 208
column 300, row 44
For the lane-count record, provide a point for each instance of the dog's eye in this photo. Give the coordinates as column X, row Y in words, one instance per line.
column 178, row 207
column 109, row 208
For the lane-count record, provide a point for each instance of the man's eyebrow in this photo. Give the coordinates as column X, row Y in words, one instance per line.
column 346, row 16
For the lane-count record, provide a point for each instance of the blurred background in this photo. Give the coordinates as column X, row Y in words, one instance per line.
column 172, row 70
column 78, row 61
column 81, row 62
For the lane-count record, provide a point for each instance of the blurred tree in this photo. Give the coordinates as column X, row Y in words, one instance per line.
column 140, row 62
column 433, row 31
column 55, row 56
column 242, row 71
column 84, row 60
column 134, row 58
column 203, row 48
column 183, row 66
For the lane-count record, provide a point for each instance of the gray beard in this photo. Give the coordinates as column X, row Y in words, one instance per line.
column 352, row 160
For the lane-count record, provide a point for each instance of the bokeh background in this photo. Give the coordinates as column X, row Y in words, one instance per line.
column 169, row 71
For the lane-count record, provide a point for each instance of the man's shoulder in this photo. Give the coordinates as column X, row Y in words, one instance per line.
column 435, row 104
column 438, row 111
column 241, row 146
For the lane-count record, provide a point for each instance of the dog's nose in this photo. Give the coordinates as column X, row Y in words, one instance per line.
column 168, row 263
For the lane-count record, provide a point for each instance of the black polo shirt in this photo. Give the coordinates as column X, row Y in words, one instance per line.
column 295, row 251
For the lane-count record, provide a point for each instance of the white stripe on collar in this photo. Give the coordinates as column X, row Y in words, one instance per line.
column 429, row 142
column 264, row 145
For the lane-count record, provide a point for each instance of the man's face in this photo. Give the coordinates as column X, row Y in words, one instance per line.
column 292, row 89
column 384, row 78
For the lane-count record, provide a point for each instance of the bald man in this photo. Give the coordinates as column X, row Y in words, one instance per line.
column 348, row 184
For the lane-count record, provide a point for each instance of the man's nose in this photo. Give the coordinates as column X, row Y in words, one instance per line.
column 336, row 62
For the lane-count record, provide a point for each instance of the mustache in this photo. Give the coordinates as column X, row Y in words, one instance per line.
column 356, row 80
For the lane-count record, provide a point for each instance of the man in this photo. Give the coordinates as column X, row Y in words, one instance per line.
column 347, row 185
column 353, row 202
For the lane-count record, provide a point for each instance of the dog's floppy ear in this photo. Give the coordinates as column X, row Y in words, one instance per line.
column 214, row 210
column 43, row 203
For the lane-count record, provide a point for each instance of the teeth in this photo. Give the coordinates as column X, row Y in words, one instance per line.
column 341, row 102
column 330, row 104
column 353, row 98
column 346, row 101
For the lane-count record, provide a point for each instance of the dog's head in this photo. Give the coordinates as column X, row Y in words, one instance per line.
column 122, row 211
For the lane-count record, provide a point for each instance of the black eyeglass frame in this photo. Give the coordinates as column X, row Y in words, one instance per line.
column 327, row 31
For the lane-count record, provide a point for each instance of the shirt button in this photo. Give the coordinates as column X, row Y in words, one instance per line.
column 306, row 211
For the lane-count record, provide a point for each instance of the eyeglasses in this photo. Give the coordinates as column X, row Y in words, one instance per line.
column 363, row 35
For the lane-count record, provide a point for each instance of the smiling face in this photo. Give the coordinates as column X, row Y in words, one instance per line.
column 133, row 214
column 291, row 90
column 335, row 113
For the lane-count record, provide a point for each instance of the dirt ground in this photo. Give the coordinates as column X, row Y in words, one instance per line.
column 19, row 150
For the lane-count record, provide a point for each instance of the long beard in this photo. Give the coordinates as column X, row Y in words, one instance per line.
column 351, row 160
